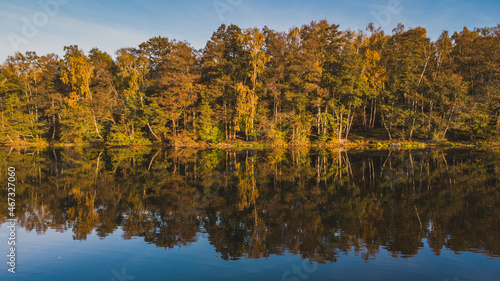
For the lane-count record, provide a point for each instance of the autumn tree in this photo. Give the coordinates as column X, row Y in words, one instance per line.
column 22, row 115
column 477, row 57
column 252, row 40
column 132, row 70
column 447, row 91
column 273, row 85
column 79, row 116
column 105, row 97
column 407, row 57
column 178, row 90
column 374, row 74
column 222, row 69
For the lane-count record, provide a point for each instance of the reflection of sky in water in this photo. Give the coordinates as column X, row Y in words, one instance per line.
column 408, row 204
column 56, row 256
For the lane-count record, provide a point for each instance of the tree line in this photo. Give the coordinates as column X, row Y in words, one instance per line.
column 314, row 83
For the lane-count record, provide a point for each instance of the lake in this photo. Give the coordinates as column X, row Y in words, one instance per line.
column 296, row 214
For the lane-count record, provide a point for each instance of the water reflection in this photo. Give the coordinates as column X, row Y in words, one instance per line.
column 253, row 204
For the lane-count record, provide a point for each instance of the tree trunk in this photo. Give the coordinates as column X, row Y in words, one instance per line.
column 349, row 127
column 412, row 128
column 53, row 122
column 340, row 126
column 373, row 111
column 318, row 120
column 350, row 118
column 95, row 125
column 325, row 122
column 194, row 121
column 234, row 131
column 430, row 118
column 275, row 111
column 445, row 130
column 364, row 115
column 53, row 126
column 153, row 133
column 386, row 128
column 225, row 121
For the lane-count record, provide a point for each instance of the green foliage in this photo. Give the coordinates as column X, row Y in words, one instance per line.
column 277, row 137
column 119, row 138
column 211, row 133
column 208, row 131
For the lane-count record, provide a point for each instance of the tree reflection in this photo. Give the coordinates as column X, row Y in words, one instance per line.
column 253, row 204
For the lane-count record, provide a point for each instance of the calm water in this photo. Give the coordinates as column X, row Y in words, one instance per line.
column 122, row 214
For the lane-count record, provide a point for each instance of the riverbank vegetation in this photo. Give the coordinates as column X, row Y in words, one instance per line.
column 311, row 85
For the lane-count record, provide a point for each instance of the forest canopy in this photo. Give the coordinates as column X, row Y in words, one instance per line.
column 312, row 84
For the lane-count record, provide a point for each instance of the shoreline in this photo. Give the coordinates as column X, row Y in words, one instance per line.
column 349, row 144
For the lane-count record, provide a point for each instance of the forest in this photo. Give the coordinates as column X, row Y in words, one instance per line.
column 314, row 84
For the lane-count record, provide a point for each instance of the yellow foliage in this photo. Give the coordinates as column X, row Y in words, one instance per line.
column 77, row 74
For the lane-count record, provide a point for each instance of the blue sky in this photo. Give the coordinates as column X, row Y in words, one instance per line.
column 46, row 26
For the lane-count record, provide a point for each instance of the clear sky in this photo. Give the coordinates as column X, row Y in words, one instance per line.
column 46, row 26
